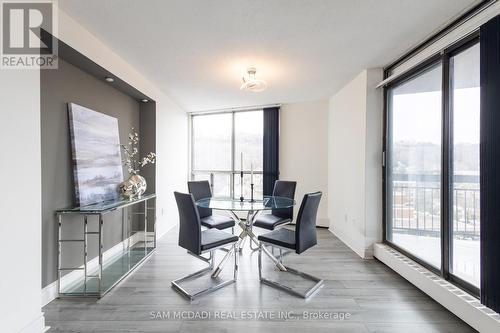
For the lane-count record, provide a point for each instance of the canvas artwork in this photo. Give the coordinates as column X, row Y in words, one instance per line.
column 97, row 162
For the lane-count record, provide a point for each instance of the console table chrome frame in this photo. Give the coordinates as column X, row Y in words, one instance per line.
column 87, row 211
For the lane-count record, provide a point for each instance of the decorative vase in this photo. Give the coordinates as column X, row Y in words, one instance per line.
column 133, row 187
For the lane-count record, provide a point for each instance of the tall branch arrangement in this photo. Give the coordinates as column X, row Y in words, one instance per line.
column 132, row 161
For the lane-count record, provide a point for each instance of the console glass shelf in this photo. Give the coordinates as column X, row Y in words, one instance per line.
column 100, row 268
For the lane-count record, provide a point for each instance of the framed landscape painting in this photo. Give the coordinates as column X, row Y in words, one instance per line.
column 97, row 162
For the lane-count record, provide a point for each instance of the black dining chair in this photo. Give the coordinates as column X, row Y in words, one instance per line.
column 282, row 188
column 298, row 240
column 278, row 217
column 198, row 242
column 200, row 190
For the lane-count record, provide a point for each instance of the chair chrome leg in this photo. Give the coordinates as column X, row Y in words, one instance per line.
column 275, row 284
column 207, row 260
column 236, row 262
column 176, row 283
column 282, row 253
column 260, row 261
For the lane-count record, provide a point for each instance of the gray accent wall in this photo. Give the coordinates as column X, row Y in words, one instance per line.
column 148, row 142
column 58, row 87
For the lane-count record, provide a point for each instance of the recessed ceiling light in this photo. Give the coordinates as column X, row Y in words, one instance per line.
column 144, row 100
column 251, row 82
column 109, row 79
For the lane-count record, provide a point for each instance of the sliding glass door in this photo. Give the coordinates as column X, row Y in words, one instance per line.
column 465, row 110
column 415, row 165
column 432, row 200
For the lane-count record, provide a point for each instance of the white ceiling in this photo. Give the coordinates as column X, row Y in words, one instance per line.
column 197, row 50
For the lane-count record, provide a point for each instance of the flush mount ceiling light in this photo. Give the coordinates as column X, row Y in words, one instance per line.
column 250, row 82
column 109, row 79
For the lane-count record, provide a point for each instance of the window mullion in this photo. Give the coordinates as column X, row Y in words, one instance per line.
column 233, row 156
column 191, row 128
column 446, row 168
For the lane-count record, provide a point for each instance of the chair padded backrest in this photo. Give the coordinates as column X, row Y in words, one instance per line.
column 286, row 189
column 200, row 189
column 305, row 230
column 190, row 225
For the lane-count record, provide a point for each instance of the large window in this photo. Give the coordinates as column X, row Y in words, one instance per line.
column 432, row 170
column 415, row 165
column 218, row 141
column 465, row 107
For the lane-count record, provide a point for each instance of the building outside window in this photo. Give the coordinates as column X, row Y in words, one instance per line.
column 218, row 141
column 432, row 174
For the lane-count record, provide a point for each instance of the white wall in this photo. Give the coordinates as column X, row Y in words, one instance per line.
column 354, row 163
column 304, row 150
column 171, row 120
column 20, row 225
column 172, row 165
column 373, row 159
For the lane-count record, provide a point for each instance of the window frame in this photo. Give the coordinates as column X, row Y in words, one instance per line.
column 233, row 172
column 446, row 160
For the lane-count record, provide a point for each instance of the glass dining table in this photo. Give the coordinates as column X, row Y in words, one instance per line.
column 252, row 209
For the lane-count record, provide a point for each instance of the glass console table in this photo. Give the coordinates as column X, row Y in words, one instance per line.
column 93, row 271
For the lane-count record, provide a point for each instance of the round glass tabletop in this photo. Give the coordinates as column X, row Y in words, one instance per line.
column 267, row 203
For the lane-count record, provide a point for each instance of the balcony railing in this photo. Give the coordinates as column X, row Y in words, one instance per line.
column 416, row 209
column 225, row 183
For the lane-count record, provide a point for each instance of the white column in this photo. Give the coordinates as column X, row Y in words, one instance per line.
column 20, row 202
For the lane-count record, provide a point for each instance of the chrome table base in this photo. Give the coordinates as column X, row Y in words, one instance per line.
column 246, row 231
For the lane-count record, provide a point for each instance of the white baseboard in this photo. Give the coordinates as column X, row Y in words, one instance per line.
column 50, row 292
column 463, row 305
column 323, row 222
column 355, row 245
column 36, row 326
column 161, row 233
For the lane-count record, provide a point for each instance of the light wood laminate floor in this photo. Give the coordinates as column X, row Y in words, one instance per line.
column 367, row 294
